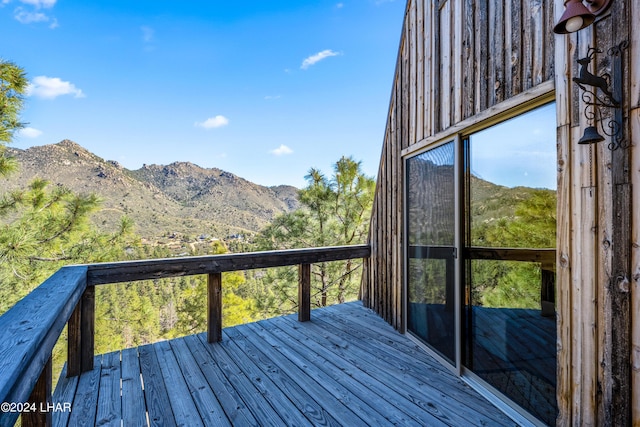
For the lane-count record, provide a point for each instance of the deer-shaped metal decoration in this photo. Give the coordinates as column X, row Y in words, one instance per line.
column 610, row 95
column 586, row 78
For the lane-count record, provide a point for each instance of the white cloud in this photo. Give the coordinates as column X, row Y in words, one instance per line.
column 317, row 57
column 147, row 33
column 282, row 150
column 213, row 122
column 24, row 17
column 47, row 4
column 269, row 97
column 52, row 87
column 32, row 13
column 340, row 5
column 38, row 4
column 29, row 132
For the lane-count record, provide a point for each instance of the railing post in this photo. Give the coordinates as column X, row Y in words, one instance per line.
column 547, row 290
column 304, row 292
column 214, row 308
column 81, row 331
column 40, row 401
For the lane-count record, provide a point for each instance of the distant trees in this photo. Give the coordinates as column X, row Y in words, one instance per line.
column 335, row 211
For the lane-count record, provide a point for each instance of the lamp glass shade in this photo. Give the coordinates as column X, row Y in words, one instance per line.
column 569, row 21
column 591, row 136
column 574, row 24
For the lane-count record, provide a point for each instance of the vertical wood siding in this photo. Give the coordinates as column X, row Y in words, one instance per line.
column 458, row 59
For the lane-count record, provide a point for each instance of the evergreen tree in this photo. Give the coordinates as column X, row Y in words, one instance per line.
column 13, row 85
column 335, row 211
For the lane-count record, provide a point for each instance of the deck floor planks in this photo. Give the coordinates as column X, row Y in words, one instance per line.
column 202, row 395
column 264, row 359
column 279, row 400
column 229, row 398
column 334, row 376
column 400, row 409
column 133, row 406
column 405, row 382
column 416, row 376
column 410, row 355
column 254, row 400
column 405, row 352
column 345, row 367
column 311, row 392
column 315, row 382
column 182, row 405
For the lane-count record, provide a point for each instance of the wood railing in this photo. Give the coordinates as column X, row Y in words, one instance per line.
column 30, row 329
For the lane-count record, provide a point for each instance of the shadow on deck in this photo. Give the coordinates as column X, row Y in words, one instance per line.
column 344, row 367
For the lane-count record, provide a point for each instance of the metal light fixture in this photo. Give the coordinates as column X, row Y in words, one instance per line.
column 577, row 15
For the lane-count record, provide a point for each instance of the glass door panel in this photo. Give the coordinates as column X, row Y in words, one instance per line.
column 510, row 259
column 431, row 211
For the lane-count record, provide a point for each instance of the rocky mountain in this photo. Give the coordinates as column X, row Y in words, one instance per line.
column 162, row 200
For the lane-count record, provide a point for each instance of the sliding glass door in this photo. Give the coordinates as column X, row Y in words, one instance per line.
column 490, row 315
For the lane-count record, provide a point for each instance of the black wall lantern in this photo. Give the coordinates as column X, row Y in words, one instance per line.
column 578, row 15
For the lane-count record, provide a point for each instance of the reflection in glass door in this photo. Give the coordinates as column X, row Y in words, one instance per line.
column 431, row 248
column 510, row 259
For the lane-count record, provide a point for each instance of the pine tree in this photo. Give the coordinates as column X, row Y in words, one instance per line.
column 13, row 85
column 335, row 211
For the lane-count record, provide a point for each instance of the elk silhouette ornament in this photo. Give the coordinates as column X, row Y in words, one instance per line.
column 610, row 121
column 587, row 79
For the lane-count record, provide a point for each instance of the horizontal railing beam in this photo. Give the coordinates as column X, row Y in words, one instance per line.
column 546, row 256
column 128, row 271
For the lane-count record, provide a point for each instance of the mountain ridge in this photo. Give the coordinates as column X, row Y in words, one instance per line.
column 180, row 197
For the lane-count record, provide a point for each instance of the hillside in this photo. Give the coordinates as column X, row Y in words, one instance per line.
column 162, row 200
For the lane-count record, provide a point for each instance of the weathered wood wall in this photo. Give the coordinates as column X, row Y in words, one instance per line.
column 599, row 262
column 464, row 61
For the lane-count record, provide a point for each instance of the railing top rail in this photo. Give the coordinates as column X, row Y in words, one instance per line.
column 126, row 271
column 543, row 255
column 30, row 330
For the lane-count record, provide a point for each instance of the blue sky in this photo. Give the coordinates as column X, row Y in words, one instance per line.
column 518, row 152
column 264, row 89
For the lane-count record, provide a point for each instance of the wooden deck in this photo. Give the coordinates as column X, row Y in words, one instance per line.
column 344, row 367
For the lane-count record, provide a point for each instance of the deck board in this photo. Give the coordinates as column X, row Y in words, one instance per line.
column 109, row 409
column 133, row 406
column 344, row 367
column 85, row 402
column 155, row 392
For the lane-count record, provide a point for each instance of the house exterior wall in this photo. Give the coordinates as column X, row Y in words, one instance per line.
column 464, row 63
